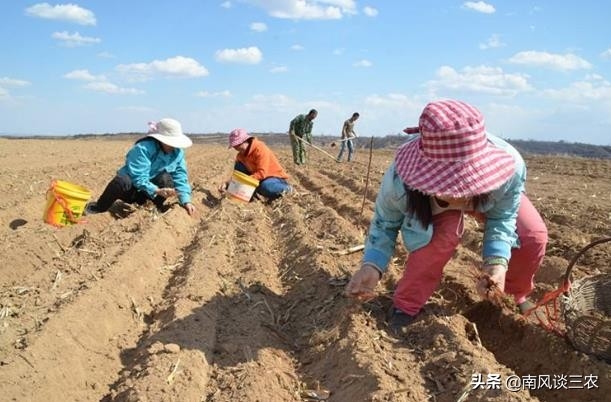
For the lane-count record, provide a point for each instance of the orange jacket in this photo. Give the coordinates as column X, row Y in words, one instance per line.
column 261, row 161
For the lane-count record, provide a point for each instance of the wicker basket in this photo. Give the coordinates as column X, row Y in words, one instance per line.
column 587, row 311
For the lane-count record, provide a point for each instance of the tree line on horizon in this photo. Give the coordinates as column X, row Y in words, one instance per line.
column 534, row 147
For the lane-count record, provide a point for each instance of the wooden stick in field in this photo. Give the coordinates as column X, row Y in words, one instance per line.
column 314, row 146
column 367, row 179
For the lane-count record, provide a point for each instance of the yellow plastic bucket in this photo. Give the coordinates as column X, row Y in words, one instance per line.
column 65, row 203
column 241, row 187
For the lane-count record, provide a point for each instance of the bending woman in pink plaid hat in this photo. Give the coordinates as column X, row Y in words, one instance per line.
column 453, row 167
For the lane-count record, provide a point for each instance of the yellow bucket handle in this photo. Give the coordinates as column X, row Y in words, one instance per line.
column 62, row 202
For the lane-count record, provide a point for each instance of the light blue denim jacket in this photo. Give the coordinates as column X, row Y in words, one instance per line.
column 146, row 160
column 391, row 216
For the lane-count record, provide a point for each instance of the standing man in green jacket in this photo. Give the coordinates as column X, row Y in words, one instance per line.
column 300, row 130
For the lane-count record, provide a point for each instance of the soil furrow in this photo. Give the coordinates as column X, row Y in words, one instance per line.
column 506, row 335
column 115, row 324
column 181, row 335
column 357, row 186
column 344, row 202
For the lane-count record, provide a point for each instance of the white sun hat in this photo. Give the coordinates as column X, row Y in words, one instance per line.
column 169, row 132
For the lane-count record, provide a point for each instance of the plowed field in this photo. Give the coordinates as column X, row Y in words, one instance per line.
column 244, row 302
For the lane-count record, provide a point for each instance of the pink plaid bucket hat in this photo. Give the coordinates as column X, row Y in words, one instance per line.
column 238, row 136
column 452, row 157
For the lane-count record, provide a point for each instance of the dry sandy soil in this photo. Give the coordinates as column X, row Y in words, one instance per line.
column 244, row 302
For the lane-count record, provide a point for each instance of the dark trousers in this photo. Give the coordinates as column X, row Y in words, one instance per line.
column 121, row 188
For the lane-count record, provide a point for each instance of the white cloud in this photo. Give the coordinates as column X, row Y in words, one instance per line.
column 136, row 109
column 494, row 41
column 99, row 83
column 348, row 5
column 594, row 77
column 83, row 75
column 563, row 62
column 75, row 39
column 11, row 82
column 276, row 102
column 297, row 47
column 220, row 94
column 606, row 54
column 370, row 11
column 250, row 55
column 176, row 67
column 106, row 55
column 226, row 4
column 593, row 88
column 5, row 95
column 307, row 9
column 338, row 51
column 391, row 113
column 64, row 12
column 258, row 27
column 279, row 69
column 479, row 6
column 180, row 66
column 363, row 63
column 480, row 79
column 392, row 100
column 511, row 120
column 110, row 88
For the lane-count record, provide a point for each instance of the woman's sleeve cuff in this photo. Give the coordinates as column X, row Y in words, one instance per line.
column 376, row 259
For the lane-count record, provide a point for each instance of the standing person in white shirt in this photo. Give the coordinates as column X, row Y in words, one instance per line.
column 348, row 135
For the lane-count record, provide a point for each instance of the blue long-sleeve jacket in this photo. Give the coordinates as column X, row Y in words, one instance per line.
column 391, row 216
column 146, row 160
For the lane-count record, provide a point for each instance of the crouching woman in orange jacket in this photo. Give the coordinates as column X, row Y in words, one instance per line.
column 255, row 159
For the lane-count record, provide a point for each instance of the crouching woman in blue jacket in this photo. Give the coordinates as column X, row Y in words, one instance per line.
column 155, row 169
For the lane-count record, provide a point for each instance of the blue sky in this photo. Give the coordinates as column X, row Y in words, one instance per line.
column 536, row 69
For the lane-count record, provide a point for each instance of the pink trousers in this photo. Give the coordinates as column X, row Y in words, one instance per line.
column 424, row 267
